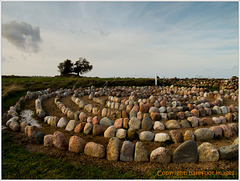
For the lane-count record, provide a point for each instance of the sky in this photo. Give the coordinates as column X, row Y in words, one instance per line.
column 122, row 39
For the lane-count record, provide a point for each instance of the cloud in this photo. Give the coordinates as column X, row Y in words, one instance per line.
column 22, row 35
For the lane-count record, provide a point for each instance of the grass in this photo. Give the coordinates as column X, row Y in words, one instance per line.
column 19, row 163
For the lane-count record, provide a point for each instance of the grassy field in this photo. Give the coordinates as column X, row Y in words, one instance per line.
column 19, row 163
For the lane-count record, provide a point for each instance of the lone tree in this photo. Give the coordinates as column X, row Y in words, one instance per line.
column 79, row 67
column 82, row 66
column 65, row 67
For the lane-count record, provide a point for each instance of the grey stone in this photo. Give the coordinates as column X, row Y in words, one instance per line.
column 134, row 123
column 106, row 122
column 14, row 126
column 186, row 152
column 228, row 152
column 147, row 123
column 158, row 126
column 162, row 137
column 185, row 124
column 110, row 132
column 207, row 153
column 37, row 137
column 127, row 151
column 88, row 128
column 160, row 155
column 71, row 125
column 121, row 133
column 172, row 124
column 62, row 123
column 146, row 136
column 94, row 150
column 141, row 154
column 203, row 134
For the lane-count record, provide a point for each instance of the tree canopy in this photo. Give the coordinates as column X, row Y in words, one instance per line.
column 79, row 67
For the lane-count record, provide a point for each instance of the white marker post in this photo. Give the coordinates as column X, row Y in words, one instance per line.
column 155, row 79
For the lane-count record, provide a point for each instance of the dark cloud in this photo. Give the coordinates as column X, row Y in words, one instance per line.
column 23, row 35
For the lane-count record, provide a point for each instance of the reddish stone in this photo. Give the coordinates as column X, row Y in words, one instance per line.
column 125, row 122
column 163, row 103
column 208, row 111
column 125, row 114
column 79, row 128
column 190, row 106
column 59, row 140
column 195, row 112
column 97, row 130
column 118, row 123
column 227, row 131
column 76, row 144
column 136, row 108
column 232, row 108
column 144, row 108
column 229, row 117
column 207, row 121
column 217, row 131
column 181, row 115
column 155, row 116
column 95, row 120
column 176, row 136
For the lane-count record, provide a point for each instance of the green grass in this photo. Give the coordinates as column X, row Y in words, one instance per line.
column 19, row 163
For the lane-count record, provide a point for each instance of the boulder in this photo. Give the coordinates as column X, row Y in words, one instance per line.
column 59, row 140
column 207, row 153
column 228, row 152
column 97, row 130
column 207, row 121
column 188, row 135
column 185, row 124
column 172, row 124
column 216, row 120
column 144, row 108
column 22, row 126
column 203, row 134
column 147, row 123
column 94, row 150
column 146, row 136
column 62, row 123
column 162, row 137
column 89, row 119
column 88, row 128
column 14, row 126
column 37, row 137
column 235, row 142
column 48, row 140
column 224, row 109
column 125, row 123
column 132, row 134
column 71, row 125
column 118, row 123
column 79, row 128
column 158, row 126
column 110, row 132
column 193, row 120
column 229, row 117
column 141, row 154
column 217, row 131
column 155, row 116
column 227, row 131
column 195, row 112
column 82, row 117
column 54, row 121
column 76, row 115
column 113, row 149
column 95, row 120
column 160, row 155
column 30, row 129
column 134, row 123
column 127, row 151
column 132, row 114
column 233, row 127
column 121, row 133
column 76, row 144
column 186, row 152
column 176, row 136
column 106, row 122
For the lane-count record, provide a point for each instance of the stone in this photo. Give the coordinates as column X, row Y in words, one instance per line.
column 54, row 121
column 172, row 115
column 162, row 109
column 121, row 133
column 207, row 121
column 89, row 119
column 87, row 128
column 160, row 155
column 153, row 109
column 202, row 112
column 95, row 111
column 118, row 123
column 223, row 119
column 110, row 132
column 155, row 116
column 164, row 116
column 232, row 108
column 132, row 134
column 144, row 108
column 185, row 124
column 94, row 150
column 217, row 109
column 14, row 126
column 193, row 120
column 113, row 149
column 76, row 144
column 82, row 117
column 48, row 140
column 235, row 142
column 158, row 126
column 181, row 115
column 71, row 125
column 62, row 123
column 70, row 114
column 229, row 117
column 146, row 136
column 188, row 135
column 227, row 132
column 97, row 130
column 59, row 140
column 106, row 122
column 147, row 123
column 224, row 109
column 217, row 131
column 134, row 123
column 141, row 154
column 104, row 112
column 95, row 120
column 37, row 137
column 30, row 129
column 195, row 112
column 228, row 152
column 125, row 123
column 162, row 137
column 79, row 128
column 132, row 114
column 125, row 114
column 176, row 136
column 216, row 120
column 186, row 152
column 22, row 126
column 172, row 124
column 203, row 134
column 234, row 127
column 127, row 151
column 76, row 115
column 207, row 153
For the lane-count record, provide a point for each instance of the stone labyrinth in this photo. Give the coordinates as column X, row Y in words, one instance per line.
column 156, row 124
